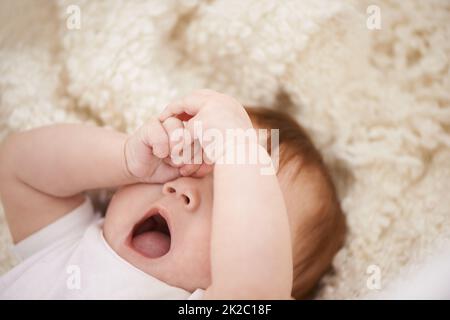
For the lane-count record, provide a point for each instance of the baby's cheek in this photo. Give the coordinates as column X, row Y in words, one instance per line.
column 201, row 257
column 206, row 261
column 204, row 266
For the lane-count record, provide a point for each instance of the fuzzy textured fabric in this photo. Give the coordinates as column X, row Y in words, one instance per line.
column 376, row 102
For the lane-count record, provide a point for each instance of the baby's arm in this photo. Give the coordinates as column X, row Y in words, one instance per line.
column 43, row 172
column 251, row 254
column 251, row 245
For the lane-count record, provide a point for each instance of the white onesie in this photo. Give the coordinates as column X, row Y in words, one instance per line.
column 70, row 259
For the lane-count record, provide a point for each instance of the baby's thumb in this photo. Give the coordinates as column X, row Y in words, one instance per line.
column 164, row 173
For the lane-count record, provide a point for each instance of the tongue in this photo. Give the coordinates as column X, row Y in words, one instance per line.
column 152, row 244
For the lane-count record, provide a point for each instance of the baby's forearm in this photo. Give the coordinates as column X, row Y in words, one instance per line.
column 251, row 248
column 63, row 160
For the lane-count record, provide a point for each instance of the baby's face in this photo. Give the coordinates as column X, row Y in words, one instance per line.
column 164, row 229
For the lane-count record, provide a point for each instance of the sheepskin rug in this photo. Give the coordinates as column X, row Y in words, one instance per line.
column 376, row 102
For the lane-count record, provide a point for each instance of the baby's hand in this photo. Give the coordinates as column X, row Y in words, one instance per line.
column 147, row 152
column 210, row 110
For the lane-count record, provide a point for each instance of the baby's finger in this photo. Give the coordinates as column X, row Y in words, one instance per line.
column 189, row 169
column 178, row 108
column 169, row 162
column 190, row 105
column 196, row 160
column 175, row 131
column 163, row 174
column 155, row 137
column 204, row 170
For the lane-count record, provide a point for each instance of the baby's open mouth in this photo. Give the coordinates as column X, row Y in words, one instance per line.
column 151, row 237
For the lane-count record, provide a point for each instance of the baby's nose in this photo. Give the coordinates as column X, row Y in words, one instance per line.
column 184, row 190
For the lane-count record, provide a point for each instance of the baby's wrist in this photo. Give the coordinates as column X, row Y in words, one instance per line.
column 247, row 151
column 126, row 159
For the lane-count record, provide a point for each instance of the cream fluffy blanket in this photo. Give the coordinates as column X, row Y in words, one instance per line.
column 377, row 102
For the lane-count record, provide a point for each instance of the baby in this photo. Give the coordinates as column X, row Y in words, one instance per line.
column 176, row 228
